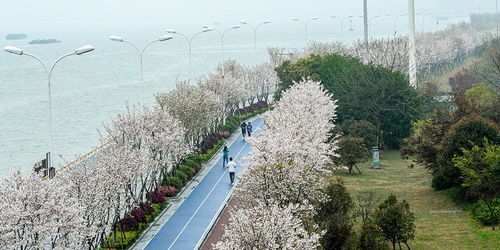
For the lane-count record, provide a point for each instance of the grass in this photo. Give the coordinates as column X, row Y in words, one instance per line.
column 440, row 223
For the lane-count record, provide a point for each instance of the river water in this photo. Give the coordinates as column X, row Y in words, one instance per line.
column 88, row 90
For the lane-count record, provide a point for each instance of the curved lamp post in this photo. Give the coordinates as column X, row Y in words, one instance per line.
column 396, row 21
column 341, row 24
column 305, row 24
column 141, row 54
column 255, row 32
column 189, row 40
column 80, row 51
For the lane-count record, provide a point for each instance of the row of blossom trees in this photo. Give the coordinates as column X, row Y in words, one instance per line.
column 82, row 205
column 204, row 106
column 285, row 174
column 436, row 51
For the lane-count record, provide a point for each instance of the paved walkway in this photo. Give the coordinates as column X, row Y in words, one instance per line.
column 188, row 225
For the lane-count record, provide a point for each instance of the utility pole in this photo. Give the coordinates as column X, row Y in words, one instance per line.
column 365, row 15
column 412, row 69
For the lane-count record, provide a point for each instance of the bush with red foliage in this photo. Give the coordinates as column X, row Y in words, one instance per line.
column 128, row 223
column 167, row 191
column 147, row 208
column 139, row 215
column 155, row 197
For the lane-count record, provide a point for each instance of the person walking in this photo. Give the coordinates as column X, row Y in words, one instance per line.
column 243, row 129
column 249, row 129
column 231, row 166
column 225, row 156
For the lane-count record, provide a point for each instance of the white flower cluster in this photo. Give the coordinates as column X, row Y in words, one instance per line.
column 286, row 170
column 436, row 51
column 204, row 106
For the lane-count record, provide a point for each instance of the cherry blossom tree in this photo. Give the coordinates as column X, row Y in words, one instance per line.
column 262, row 79
column 194, row 106
column 267, row 227
column 37, row 213
column 284, row 173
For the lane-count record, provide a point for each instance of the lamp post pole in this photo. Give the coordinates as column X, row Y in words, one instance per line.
column 189, row 40
column 305, row 24
column 141, row 55
column 80, row 51
column 396, row 22
column 413, row 51
column 222, row 39
column 341, row 25
column 255, row 32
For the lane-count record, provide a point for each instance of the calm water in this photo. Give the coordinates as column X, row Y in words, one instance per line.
column 88, row 90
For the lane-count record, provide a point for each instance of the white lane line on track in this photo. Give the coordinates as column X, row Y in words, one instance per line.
column 203, row 202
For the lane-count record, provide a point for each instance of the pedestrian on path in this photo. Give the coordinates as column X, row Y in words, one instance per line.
column 225, row 156
column 249, row 129
column 243, row 129
column 231, row 166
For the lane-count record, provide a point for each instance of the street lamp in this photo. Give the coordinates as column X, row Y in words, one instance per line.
column 305, row 24
column 189, row 40
column 341, row 25
column 423, row 18
column 141, row 54
column 396, row 21
column 80, row 51
column 222, row 35
column 255, row 32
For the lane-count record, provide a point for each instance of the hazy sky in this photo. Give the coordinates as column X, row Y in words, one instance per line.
column 43, row 10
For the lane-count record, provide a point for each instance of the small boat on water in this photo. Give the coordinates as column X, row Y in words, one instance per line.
column 14, row 36
column 44, row 41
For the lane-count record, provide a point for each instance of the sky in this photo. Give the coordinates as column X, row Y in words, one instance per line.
column 67, row 13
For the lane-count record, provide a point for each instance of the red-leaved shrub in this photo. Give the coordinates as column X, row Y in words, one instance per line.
column 167, row 191
column 139, row 215
column 155, row 197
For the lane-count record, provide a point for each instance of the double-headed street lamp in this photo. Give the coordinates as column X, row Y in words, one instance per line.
column 80, row 51
column 341, row 24
column 222, row 35
column 305, row 24
column 255, row 32
column 189, row 40
column 141, row 54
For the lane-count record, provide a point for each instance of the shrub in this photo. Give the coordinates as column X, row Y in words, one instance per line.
column 139, row 215
column 146, row 207
column 225, row 127
column 372, row 237
column 182, row 176
column 334, row 215
column 187, row 170
column 196, row 158
column 362, row 129
column 484, row 215
column 123, row 241
column 395, row 220
column 167, row 191
column 174, row 181
column 191, row 163
column 225, row 134
column 462, row 135
column 155, row 197
column 127, row 223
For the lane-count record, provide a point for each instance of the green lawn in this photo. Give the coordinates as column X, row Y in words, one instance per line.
column 440, row 223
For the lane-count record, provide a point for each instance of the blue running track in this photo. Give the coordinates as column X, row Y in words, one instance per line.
column 190, row 222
